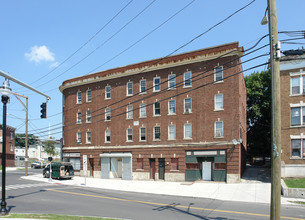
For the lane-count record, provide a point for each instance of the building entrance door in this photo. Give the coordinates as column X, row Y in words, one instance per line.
column 91, row 162
column 161, row 168
column 207, row 171
column 152, row 165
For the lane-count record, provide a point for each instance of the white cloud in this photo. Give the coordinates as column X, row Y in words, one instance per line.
column 54, row 65
column 38, row 54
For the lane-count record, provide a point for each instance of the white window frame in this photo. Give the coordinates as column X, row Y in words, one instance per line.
column 79, row 117
column 185, row 109
column 216, row 130
column 89, row 95
column 107, row 131
column 300, row 138
column 88, row 116
column 88, row 137
column 141, row 111
column 145, row 87
column 79, row 97
column 185, row 131
column 140, row 134
column 155, row 109
column 78, row 137
column 217, row 104
column 155, row 85
column 172, row 80
column 169, row 107
column 107, row 113
column 217, row 73
column 301, row 116
column 157, row 139
column 107, row 93
column 171, row 132
column 129, row 112
column 128, row 134
column 187, row 82
column 11, row 147
column 127, row 88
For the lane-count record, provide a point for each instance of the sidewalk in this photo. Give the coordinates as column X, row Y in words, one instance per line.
column 246, row 191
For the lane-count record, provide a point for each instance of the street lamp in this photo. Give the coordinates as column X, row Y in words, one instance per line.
column 5, row 91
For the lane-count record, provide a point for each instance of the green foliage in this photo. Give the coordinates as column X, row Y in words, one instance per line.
column 295, row 182
column 20, row 140
column 259, row 113
column 49, row 147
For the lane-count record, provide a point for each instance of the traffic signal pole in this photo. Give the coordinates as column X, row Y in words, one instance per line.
column 26, row 128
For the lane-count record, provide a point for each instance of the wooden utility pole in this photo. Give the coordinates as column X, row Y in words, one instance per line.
column 26, row 105
column 275, row 208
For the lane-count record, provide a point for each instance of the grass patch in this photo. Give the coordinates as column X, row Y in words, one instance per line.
column 296, row 202
column 295, row 182
column 53, row 216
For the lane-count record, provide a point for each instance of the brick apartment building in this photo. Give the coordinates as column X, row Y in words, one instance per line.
column 292, row 76
column 10, row 145
column 171, row 119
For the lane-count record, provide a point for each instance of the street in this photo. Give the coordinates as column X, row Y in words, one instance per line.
column 25, row 196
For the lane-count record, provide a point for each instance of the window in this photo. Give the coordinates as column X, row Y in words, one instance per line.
column 129, row 88
column 143, row 86
column 140, row 164
column 142, row 110
column 187, row 79
column 79, row 97
column 174, row 164
column 107, row 136
column 79, row 118
column 218, row 129
column 157, row 86
column 129, row 134
column 172, row 132
column 218, row 102
column 157, row 109
column 298, row 116
column 297, row 85
column 12, row 136
column 157, row 133
column 172, row 107
column 107, row 114
column 142, row 134
column 220, row 166
column 108, row 92
column 11, row 147
column 218, row 73
column 88, row 95
column 192, row 166
column 298, row 148
column 129, row 113
column 79, row 137
column 187, row 131
column 75, row 163
column 171, row 81
column 88, row 137
column 187, row 105
column 88, row 116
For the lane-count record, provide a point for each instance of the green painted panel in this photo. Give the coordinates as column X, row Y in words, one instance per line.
column 192, row 175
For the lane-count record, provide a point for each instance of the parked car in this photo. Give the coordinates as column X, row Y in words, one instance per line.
column 38, row 164
column 60, row 170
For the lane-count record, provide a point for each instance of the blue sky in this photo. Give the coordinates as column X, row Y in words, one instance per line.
column 38, row 37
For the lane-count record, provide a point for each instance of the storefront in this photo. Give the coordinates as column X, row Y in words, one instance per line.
column 208, row 165
column 74, row 158
column 116, row 165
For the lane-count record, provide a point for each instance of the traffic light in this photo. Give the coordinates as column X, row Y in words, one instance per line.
column 43, row 110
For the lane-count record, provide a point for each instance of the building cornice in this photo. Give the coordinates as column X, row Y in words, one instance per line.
column 204, row 144
column 152, row 65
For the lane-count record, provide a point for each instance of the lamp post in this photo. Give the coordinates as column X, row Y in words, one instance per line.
column 5, row 92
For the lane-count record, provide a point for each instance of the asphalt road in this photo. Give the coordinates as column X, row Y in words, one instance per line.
column 24, row 196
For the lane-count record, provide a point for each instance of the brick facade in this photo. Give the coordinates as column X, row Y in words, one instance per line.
column 202, row 116
column 10, row 146
column 293, row 163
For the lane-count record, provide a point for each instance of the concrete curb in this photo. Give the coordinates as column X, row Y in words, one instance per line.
column 292, row 192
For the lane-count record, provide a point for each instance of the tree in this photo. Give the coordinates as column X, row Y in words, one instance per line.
column 259, row 113
column 20, row 140
column 49, row 147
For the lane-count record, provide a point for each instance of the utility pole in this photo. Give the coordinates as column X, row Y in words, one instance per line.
column 275, row 209
column 26, row 128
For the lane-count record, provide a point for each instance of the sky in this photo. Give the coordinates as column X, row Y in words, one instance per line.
column 44, row 43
